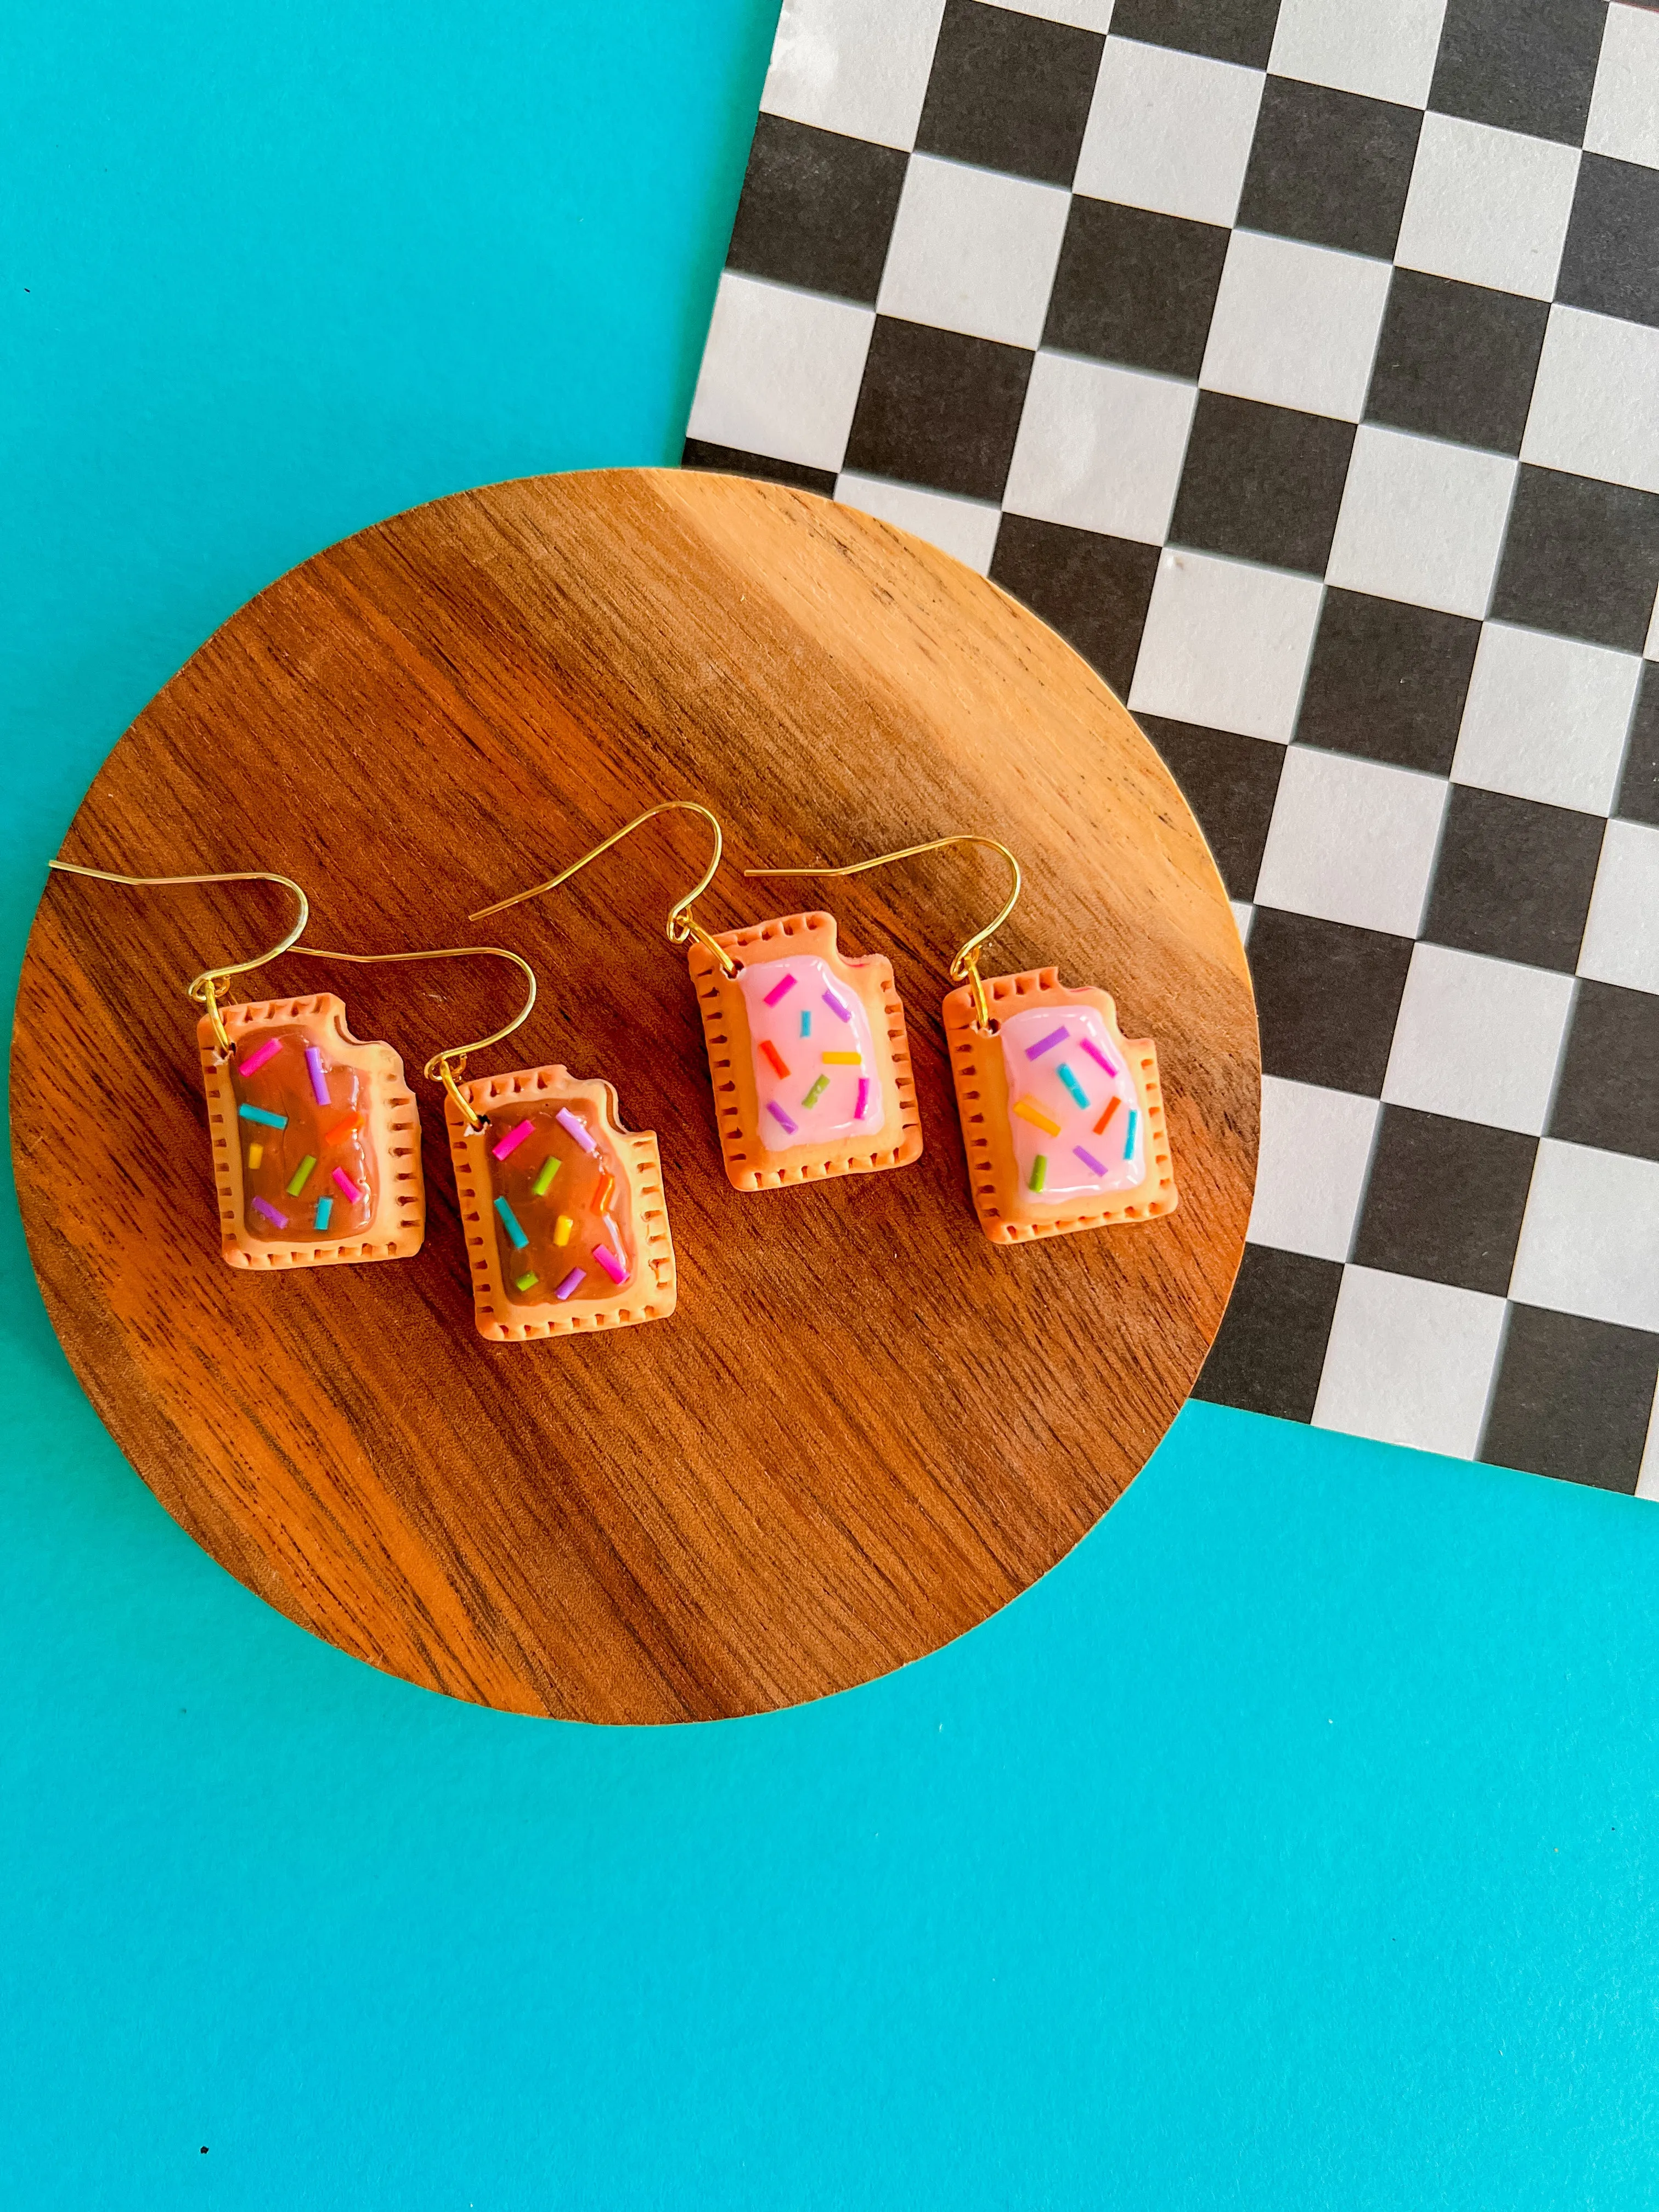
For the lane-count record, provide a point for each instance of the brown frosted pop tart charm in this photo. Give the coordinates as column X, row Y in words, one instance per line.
column 315, row 1136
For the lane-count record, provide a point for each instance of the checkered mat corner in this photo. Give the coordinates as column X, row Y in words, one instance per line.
column 1299, row 360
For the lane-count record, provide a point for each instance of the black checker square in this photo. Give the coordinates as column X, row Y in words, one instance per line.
column 1526, row 65
column 1639, row 786
column 1456, row 360
column 1009, row 91
column 1231, row 783
column 1444, row 1200
column 1094, row 590
column 1610, row 263
column 1330, row 167
column 816, row 209
column 1263, row 483
column 1326, row 998
column 1513, row 878
column 1572, row 1399
column 727, row 461
column 938, row 409
column 1226, row 30
column 1386, row 681
column 1609, row 1093
column 1135, row 286
column 1270, row 1349
column 1581, row 558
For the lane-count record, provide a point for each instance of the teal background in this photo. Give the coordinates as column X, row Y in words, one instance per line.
column 1293, row 1843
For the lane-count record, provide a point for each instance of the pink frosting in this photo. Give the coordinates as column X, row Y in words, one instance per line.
column 1067, row 1175
column 816, row 992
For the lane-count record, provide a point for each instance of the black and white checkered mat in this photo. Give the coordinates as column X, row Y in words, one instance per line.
column 1299, row 360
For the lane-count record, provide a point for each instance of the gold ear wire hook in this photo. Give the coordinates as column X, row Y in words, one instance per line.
column 965, row 966
column 443, row 1067
column 203, row 990
column 683, row 924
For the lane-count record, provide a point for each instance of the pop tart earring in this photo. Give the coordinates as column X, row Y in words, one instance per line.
column 562, row 1208
column 1062, row 1117
column 807, row 1052
column 315, row 1135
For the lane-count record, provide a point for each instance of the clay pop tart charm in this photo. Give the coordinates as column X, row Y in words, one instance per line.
column 806, row 1048
column 316, row 1137
column 1062, row 1118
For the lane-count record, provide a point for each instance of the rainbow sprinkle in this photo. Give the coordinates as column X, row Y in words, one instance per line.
column 252, row 1062
column 577, row 1275
column 1095, row 1053
column 255, row 1154
column 301, row 1175
column 806, row 1021
column 347, row 1188
column 276, row 1220
column 816, row 1092
column 318, row 1076
column 1029, row 1111
column 1047, row 1045
column 778, row 1114
column 325, row 1207
column 562, row 1229
column 779, row 1064
column 778, row 991
column 266, row 1120
column 512, row 1140
column 543, row 1182
column 347, row 1127
column 1039, row 1172
column 1129, row 1141
column 843, row 1060
column 612, row 1266
column 510, row 1223
column 527, row 1281
column 1093, row 1166
column 1079, row 1094
column 567, row 1122
column 839, row 1007
column 1112, row 1105
column 863, row 1107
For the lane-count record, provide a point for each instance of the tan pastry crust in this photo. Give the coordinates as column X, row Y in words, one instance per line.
column 749, row 1164
column 1007, row 1212
column 394, row 1136
column 652, row 1292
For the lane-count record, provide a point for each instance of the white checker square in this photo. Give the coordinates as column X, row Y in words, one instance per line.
column 1226, row 645
column 1624, row 117
column 1650, row 650
column 966, row 528
column 1546, row 718
column 1243, row 915
column 1488, row 206
column 1100, row 447
column 1421, row 520
column 1595, row 405
column 973, row 251
column 1170, row 132
column 1081, row 14
column 1296, row 325
column 1477, row 1039
column 1589, row 1243
column 1409, row 1362
column 1621, row 938
column 781, row 371
column 1647, row 1479
column 857, row 66
column 1316, row 1149
column 1352, row 840
column 1385, row 48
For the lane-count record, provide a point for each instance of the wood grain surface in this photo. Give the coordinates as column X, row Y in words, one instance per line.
column 866, row 1427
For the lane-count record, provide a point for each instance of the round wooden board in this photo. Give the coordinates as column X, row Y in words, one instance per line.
column 866, row 1427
